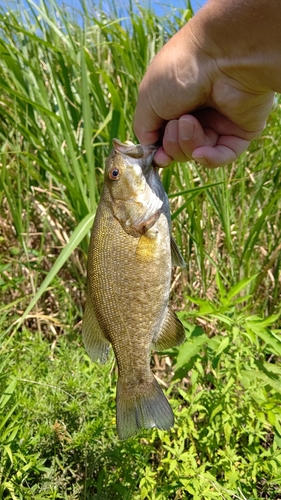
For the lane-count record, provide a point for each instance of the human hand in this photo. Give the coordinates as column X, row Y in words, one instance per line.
column 200, row 106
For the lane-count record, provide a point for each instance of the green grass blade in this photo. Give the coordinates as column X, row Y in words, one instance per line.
column 77, row 236
column 88, row 131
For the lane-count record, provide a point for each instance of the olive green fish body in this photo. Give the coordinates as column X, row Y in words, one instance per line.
column 129, row 274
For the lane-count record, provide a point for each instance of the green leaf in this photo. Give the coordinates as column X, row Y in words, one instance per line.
column 77, row 236
column 258, row 326
column 260, row 377
column 196, row 190
column 220, row 286
column 189, row 349
column 7, row 394
column 223, row 345
column 269, row 339
column 241, row 285
column 215, row 412
column 88, row 132
column 258, row 322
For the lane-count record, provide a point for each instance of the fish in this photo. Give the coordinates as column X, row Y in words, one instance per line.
column 128, row 284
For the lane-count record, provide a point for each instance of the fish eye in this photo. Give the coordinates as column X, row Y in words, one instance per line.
column 114, row 174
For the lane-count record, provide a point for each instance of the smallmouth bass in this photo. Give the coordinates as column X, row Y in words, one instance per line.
column 129, row 274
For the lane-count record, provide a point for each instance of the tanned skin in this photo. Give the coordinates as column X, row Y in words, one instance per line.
column 208, row 92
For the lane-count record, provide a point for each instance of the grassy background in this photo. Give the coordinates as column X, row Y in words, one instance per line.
column 68, row 83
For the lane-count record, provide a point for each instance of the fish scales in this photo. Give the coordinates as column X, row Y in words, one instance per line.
column 118, row 256
column 129, row 274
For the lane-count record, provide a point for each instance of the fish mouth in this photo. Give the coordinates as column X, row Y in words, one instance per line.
column 137, row 151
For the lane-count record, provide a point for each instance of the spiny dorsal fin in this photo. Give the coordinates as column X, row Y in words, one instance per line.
column 177, row 258
column 171, row 333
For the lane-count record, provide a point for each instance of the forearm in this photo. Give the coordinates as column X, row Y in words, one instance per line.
column 243, row 37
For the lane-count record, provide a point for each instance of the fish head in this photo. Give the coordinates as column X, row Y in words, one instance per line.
column 133, row 188
column 126, row 170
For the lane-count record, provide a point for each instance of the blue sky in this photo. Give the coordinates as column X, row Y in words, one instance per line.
column 196, row 4
column 158, row 5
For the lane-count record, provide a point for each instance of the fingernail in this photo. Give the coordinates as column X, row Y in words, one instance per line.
column 161, row 159
column 171, row 131
column 186, row 129
column 162, row 163
column 201, row 159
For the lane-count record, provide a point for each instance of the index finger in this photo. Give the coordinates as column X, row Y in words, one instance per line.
column 148, row 126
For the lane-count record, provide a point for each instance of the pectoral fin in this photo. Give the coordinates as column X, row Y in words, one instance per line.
column 97, row 346
column 171, row 332
column 138, row 214
column 177, row 258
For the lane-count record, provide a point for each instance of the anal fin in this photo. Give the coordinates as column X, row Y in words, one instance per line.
column 171, row 332
column 97, row 346
column 177, row 258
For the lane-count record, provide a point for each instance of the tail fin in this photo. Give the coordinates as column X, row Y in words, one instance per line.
column 142, row 410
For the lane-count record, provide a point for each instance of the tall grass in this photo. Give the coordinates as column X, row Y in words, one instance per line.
column 69, row 81
column 68, row 88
